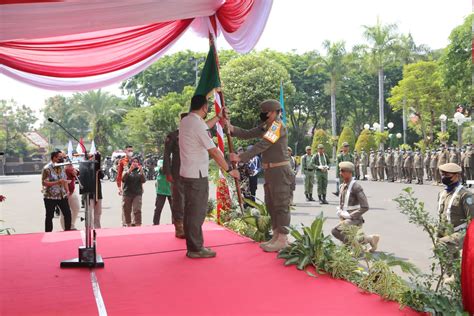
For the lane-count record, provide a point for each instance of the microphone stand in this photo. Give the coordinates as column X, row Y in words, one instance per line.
column 87, row 255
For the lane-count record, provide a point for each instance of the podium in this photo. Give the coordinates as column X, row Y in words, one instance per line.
column 87, row 255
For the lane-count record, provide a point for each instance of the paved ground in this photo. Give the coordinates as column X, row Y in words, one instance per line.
column 24, row 211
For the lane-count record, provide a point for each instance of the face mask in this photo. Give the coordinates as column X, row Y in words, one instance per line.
column 130, row 153
column 446, row 180
column 263, row 116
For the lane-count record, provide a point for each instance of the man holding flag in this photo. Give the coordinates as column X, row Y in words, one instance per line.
column 277, row 170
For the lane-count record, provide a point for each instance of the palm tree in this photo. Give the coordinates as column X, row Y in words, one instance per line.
column 383, row 40
column 334, row 65
column 97, row 107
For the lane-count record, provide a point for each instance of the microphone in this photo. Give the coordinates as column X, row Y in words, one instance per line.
column 50, row 119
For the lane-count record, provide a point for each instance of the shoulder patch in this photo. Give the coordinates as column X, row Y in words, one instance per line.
column 469, row 200
column 273, row 133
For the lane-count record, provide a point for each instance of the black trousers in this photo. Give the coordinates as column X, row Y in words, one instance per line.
column 253, row 183
column 50, row 205
column 196, row 196
column 159, row 203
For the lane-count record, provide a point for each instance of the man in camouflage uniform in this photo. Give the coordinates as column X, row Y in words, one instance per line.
column 352, row 205
column 279, row 176
column 434, row 167
column 426, row 164
column 345, row 155
column 357, row 164
column 372, row 165
column 307, row 169
column 320, row 162
column 418, row 163
column 364, row 162
column 469, row 164
column 380, row 165
column 396, row 165
column 456, row 210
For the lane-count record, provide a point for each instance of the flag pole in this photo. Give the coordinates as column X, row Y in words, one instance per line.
column 226, row 130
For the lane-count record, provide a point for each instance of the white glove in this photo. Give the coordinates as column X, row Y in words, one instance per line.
column 339, row 211
column 345, row 215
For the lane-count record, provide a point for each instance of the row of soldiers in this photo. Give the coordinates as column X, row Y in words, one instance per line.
column 405, row 165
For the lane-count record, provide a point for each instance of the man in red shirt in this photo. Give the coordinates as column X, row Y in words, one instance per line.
column 122, row 163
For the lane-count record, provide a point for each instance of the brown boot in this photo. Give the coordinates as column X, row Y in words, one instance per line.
column 179, row 230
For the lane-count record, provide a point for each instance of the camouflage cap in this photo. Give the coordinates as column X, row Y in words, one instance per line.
column 270, row 105
column 345, row 144
column 308, row 148
column 346, row 166
column 320, row 146
column 450, row 168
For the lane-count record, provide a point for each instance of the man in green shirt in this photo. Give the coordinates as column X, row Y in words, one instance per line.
column 320, row 162
column 163, row 192
column 344, row 156
column 307, row 169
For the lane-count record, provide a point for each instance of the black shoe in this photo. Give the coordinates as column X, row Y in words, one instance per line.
column 311, row 198
column 320, row 199
column 336, row 193
column 307, row 197
column 203, row 253
column 324, row 199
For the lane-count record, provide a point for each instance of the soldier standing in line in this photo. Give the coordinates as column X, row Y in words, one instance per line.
column 381, row 165
column 408, row 166
column 469, row 164
column 357, row 165
column 434, row 167
column 307, row 169
column 279, row 176
column 443, row 158
column 364, row 162
column 418, row 163
column 462, row 160
column 372, row 165
column 352, row 205
column 396, row 165
column 401, row 170
column 320, row 161
column 456, row 210
column 426, row 164
column 390, row 163
column 295, row 171
column 454, row 156
column 345, row 155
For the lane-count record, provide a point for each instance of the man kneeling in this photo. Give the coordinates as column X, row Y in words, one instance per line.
column 352, row 204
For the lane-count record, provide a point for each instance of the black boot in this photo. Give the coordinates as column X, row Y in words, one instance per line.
column 320, row 198
column 311, row 198
column 307, row 197
column 324, row 199
column 337, row 193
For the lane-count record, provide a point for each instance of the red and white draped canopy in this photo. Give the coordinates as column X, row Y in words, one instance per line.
column 76, row 45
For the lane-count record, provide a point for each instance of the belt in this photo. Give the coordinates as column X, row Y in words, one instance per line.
column 353, row 207
column 275, row 164
column 459, row 227
column 308, row 169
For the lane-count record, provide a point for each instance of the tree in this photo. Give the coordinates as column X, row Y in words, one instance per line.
column 321, row 137
column 383, row 40
column 422, row 89
column 147, row 127
column 97, row 107
column 247, row 81
column 365, row 141
column 456, row 63
column 333, row 65
column 348, row 136
column 16, row 120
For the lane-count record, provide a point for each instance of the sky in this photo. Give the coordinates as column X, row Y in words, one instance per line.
column 302, row 25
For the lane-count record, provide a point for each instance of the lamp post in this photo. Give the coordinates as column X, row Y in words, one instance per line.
column 460, row 119
column 196, row 69
column 443, row 119
column 377, row 127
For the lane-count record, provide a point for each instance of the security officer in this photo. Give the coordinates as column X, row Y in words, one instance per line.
column 307, row 169
column 426, row 164
column 456, row 210
column 434, row 167
column 279, row 176
column 364, row 162
column 320, row 162
column 357, row 164
column 372, row 162
column 171, row 166
column 295, row 171
column 352, row 205
column 408, row 166
column 418, row 163
column 380, row 165
column 443, row 158
column 454, row 156
column 401, row 170
column 345, row 155
column 396, row 165
column 389, row 161
column 469, row 164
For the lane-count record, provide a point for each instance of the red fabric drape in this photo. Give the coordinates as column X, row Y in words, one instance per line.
column 232, row 14
column 467, row 272
column 90, row 54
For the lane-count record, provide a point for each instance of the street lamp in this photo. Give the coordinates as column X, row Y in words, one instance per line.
column 390, row 125
column 399, row 135
column 366, row 126
column 460, row 119
column 443, row 118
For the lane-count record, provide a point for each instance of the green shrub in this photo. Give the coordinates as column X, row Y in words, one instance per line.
column 348, row 136
column 366, row 140
column 321, row 137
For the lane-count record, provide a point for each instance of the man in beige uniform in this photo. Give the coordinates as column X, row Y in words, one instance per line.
column 418, row 164
column 352, row 205
column 277, row 170
column 456, row 208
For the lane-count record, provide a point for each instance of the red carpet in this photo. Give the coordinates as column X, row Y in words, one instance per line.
column 146, row 273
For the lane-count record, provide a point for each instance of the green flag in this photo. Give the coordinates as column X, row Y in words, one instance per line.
column 210, row 75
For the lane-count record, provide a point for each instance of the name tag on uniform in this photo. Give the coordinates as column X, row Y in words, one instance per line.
column 273, row 133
